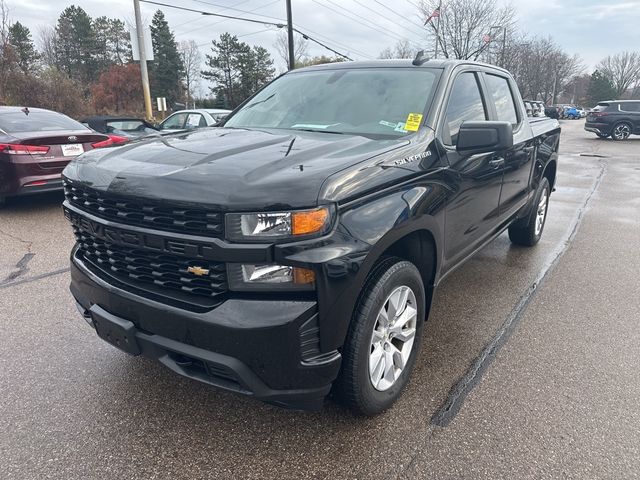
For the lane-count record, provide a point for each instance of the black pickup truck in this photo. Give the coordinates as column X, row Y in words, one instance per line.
column 293, row 251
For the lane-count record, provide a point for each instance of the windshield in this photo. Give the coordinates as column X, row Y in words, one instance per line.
column 374, row 102
column 16, row 122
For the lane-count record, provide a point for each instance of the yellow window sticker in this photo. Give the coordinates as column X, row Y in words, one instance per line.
column 413, row 122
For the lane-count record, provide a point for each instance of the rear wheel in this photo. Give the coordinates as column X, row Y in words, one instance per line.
column 621, row 131
column 528, row 231
column 384, row 338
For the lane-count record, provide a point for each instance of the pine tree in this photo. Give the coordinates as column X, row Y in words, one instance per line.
column 236, row 69
column 25, row 51
column 600, row 89
column 166, row 69
column 75, row 45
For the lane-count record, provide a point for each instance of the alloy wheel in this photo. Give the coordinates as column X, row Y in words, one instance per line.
column 622, row 131
column 392, row 338
column 541, row 213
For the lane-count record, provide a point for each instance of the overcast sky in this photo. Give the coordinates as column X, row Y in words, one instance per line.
column 591, row 28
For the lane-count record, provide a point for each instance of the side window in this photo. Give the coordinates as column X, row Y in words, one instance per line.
column 503, row 99
column 175, row 121
column 465, row 104
column 630, row 107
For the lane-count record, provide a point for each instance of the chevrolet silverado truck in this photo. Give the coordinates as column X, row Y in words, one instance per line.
column 292, row 252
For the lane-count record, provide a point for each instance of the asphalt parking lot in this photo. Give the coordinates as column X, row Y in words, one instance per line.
column 529, row 367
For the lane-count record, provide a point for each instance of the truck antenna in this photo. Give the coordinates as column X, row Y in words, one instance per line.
column 420, row 59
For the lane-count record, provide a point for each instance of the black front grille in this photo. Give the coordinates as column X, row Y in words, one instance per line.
column 158, row 273
column 144, row 213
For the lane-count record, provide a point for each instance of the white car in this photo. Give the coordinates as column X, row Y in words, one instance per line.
column 190, row 119
column 582, row 112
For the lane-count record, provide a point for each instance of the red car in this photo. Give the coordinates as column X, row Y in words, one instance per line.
column 36, row 145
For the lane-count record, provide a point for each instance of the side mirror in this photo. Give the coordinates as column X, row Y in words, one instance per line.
column 484, row 137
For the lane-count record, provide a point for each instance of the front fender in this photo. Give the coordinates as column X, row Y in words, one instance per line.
column 365, row 231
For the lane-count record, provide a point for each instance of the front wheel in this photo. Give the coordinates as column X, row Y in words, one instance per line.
column 528, row 231
column 384, row 338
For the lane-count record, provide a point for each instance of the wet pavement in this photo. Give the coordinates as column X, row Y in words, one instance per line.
column 529, row 368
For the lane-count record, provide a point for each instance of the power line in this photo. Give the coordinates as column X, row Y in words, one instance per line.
column 226, row 19
column 359, row 21
column 263, row 22
column 239, row 36
column 236, row 9
column 401, row 16
column 219, row 11
column 405, row 27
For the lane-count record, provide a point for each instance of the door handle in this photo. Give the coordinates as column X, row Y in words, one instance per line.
column 496, row 162
column 529, row 149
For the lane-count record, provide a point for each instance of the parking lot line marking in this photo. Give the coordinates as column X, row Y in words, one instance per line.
column 463, row 387
column 34, row 279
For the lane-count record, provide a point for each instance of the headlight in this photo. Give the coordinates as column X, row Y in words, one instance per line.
column 276, row 225
column 269, row 277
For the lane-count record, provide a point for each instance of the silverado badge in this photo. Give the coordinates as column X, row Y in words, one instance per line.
column 199, row 271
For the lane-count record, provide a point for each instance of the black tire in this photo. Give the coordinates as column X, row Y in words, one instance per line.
column 603, row 135
column 621, row 131
column 525, row 232
column 354, row 387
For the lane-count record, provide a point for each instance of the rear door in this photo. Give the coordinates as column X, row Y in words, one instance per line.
column 517, row 161
column 632, row 112
column 473, row 214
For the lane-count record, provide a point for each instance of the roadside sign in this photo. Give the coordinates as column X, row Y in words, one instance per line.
column 148, row 44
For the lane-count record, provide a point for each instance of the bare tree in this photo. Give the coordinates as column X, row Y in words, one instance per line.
column 300, row 47
column 47, row 44
column 622, row 69
column 192, row 61
column 541, row 68
column 464, row 28
column 402, row 49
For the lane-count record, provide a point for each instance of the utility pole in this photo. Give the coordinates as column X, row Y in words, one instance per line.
column 143, row 61
column 292, row 60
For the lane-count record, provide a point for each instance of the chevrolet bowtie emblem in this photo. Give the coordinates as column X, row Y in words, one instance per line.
column 199, row 271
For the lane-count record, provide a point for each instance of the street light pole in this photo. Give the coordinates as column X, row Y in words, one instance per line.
column 292, row 60
column 143, row 61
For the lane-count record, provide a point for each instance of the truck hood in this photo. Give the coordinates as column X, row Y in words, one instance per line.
column 239, row 169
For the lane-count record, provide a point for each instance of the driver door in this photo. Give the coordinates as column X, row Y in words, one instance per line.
column 472, row 215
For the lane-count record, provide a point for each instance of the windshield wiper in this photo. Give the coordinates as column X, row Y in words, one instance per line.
column 322, row 131
column 260, row 101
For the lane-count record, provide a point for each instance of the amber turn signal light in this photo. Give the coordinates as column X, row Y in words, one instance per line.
column 302, row 276
column 311, row 221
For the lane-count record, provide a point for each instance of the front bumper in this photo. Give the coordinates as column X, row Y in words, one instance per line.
column 263, row 348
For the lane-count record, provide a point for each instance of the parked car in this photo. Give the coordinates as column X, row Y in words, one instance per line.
column 582, row 112
column 36, row 145
column 552, row 112
column 571, row 113
column 528, row 108
column 190, row 119
column 120, row 129
column 295, row 249
column 618, row 119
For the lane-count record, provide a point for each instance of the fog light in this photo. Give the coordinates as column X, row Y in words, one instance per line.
column 269, row 277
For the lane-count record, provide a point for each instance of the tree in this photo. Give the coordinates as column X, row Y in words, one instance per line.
column 463, row 25
column 27, row 57
column 623, row 70
column 541, row 68
column 112, row 42
column 75, row 45
column 402, row 49
column 600, row 88
column 166, row 70
column 192, row 61
column 7, row 53
column 319, row 60
column 236, row 69
column 118, row 90
column 300, row 47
